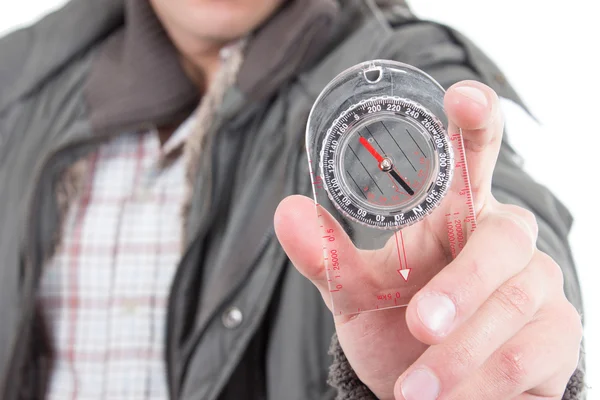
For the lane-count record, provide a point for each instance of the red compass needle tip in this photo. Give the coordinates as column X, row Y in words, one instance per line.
column 371, row 149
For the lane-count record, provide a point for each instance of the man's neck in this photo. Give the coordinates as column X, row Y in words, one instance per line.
column 201, row 68
column 199, row 57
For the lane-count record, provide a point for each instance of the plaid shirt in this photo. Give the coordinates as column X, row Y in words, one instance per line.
column 104, row 292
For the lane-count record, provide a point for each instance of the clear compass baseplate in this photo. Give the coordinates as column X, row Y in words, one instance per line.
column 382, row 161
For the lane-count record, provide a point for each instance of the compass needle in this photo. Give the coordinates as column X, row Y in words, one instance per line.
column 371, row 149
column 385, row 164
column 404, row 185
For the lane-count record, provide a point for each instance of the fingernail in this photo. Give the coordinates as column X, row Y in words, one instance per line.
column 437, row 312
column 420, row 384
column 474, row 94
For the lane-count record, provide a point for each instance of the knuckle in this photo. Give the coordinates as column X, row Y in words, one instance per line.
column 512, row 366
column 573, row 327
column 520, row 232
column 568, row 327
column 476, row 272
column 550, row 269
column 497, row 119
column 572, row 320
column 528, row 216
column 459, row 356
column 472, row 144
column 514, row 299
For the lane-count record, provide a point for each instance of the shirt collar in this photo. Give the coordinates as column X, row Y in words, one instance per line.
column 136, row 80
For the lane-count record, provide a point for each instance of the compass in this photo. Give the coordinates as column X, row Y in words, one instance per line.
column 383, row 157
column 386, row 162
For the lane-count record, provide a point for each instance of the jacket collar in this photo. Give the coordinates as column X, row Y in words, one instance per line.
column 136, row 78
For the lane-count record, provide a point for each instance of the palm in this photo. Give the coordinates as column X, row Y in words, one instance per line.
column 375, row 282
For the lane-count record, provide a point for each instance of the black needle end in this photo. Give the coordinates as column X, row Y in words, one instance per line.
column 404, row 185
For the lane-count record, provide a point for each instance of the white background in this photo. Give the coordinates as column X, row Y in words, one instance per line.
column 549, row 50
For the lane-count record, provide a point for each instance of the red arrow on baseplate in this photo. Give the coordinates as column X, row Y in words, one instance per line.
column 404, row 271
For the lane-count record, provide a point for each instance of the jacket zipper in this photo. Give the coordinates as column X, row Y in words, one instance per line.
column 262, row 248
column 173, row 383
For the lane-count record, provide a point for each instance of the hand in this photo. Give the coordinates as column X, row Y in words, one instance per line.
column 493, row 324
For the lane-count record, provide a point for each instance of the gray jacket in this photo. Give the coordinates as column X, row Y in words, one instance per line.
column 85, row 73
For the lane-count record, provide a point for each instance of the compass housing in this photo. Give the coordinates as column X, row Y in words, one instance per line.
column 386, row 162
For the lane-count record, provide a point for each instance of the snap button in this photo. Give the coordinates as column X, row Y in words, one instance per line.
column 232, row 318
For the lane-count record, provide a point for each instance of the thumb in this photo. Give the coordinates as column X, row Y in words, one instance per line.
column 474, row 108
column 301, row 233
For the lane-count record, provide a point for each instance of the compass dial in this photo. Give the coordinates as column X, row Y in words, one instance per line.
column 386, row 162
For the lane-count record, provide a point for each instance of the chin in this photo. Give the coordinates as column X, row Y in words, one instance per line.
column 227, row 19
column 217, row 20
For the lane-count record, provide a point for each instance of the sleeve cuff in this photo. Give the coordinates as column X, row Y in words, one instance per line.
column 576, row 387
column 343, row 378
